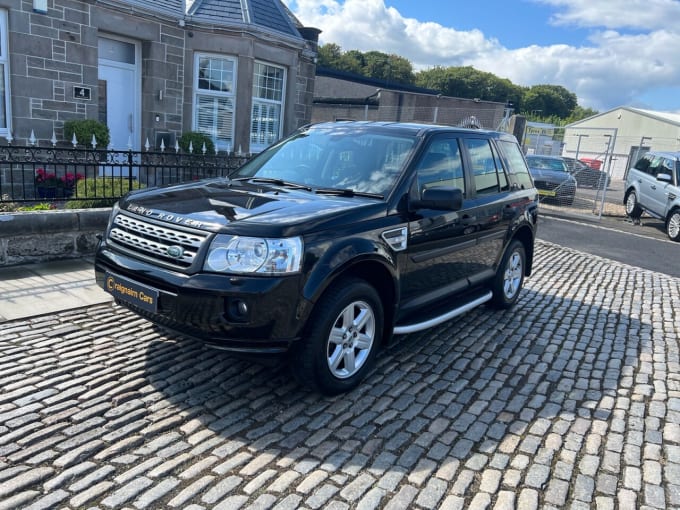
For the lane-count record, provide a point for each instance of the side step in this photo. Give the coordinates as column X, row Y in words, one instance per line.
column 435, row 321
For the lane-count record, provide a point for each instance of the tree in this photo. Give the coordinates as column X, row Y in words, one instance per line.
column 549, row 100
column 373, row 64
column 467, row 82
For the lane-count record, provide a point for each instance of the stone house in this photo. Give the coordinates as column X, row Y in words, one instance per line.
column 241, row 71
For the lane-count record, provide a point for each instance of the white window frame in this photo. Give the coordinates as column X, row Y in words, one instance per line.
column 220, row 144
column 263, row 138
column 6, row 129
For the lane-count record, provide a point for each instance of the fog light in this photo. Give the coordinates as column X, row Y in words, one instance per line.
column 237, row 310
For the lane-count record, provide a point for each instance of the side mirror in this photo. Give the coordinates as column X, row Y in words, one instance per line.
column 444, row 198
column 664, row 178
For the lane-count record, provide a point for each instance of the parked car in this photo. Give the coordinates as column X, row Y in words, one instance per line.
column 552, row 179
column 586, row 176
column 653, row 186
column 593, row 163
column 329, row 242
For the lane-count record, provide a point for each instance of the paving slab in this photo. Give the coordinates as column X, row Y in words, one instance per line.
column 45, row 288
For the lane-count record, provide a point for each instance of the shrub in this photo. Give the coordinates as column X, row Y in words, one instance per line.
column 197, row 140
column 109, row 188
column 84, row 129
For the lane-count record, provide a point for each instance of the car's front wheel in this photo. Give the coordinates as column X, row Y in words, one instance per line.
column 633, row 209
column 509, row 278
column 342, row 340
column 673, row 225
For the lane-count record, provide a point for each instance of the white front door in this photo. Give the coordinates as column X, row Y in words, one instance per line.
column 120, row 91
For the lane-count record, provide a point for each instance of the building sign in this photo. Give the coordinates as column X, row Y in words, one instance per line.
column 545, row 131
column 84, row 93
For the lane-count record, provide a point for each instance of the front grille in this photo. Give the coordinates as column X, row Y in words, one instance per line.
column 173, row 246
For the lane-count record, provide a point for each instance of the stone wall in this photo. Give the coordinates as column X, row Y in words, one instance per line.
column 43, row 236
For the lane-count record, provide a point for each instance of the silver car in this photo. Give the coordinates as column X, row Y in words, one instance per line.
column 653, row 186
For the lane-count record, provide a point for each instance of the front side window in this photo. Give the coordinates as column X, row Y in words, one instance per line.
column 268, row 94
column 4, row 77
column 441, row 165
column 214, row 98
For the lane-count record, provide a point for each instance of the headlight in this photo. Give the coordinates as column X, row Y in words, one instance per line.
column 236, row 254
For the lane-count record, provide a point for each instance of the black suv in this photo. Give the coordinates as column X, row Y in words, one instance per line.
column 328, row 243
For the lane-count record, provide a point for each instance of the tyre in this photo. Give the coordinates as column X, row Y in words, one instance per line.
column 509, row 278
column 633, row 209
column 343, row 337
column 673, row 225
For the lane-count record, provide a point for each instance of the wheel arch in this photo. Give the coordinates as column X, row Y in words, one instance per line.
column 377, row 274
column 525, row 235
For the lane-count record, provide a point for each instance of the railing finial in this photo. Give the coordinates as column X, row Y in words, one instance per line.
column 74, row 141
column 147, row 145
column 191, row 147
column 94, row 141
column 53, row 139
column 162, row 144
column 32, row 139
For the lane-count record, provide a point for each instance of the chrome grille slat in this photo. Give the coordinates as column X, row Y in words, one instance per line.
column 149, row 239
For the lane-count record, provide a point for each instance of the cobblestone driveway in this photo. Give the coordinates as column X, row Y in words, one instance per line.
column 571, row 399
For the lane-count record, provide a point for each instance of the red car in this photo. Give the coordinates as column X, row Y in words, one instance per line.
column 595, row 164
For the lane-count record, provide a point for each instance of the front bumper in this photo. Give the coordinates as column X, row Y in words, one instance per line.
column 237, row 313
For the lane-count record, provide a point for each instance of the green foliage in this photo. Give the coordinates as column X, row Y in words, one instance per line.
column 549, row 100
column 37, row 207
column 196, row 139
column 467, row 82
column 84, row 129
column 373, row 64
column 111, row 188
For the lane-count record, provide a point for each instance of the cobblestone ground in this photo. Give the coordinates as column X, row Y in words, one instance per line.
column 572, row 399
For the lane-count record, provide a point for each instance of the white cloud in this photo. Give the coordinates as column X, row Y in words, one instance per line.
column 632, row 49
column 638, row 14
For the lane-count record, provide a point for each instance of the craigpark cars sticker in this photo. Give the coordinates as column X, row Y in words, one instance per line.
column 132, row 292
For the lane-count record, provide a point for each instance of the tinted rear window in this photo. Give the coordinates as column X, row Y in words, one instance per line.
column 514, row 162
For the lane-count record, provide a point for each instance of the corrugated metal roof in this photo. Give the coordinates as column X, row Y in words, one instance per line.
column 673, row 118
column 268, row 14
column 667, row 116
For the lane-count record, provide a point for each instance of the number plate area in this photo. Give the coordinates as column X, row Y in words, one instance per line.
column 136, row 294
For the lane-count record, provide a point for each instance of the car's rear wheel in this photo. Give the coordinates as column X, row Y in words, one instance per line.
column 673, row 225
column 633, row 209
column 342, row 340
column 509, row 278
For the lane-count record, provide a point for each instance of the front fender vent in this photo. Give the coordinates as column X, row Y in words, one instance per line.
column 396, row 238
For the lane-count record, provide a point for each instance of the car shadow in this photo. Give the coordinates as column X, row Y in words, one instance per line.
column 543, row 376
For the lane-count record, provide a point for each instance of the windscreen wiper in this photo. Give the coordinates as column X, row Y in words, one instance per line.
column 347, row 192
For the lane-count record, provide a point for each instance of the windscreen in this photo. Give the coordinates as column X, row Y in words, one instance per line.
column 364, row 161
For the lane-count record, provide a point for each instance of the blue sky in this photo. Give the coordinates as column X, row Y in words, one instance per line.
column 610, row 53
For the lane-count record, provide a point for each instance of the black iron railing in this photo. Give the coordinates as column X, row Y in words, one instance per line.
column 30, row 174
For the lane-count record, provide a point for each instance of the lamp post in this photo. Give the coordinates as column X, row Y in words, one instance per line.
column 578, row 144
column 606, row 154
column 642, row 142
